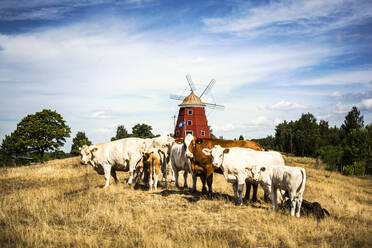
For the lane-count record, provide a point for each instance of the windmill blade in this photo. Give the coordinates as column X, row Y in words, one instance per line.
column 208, row 88
column 191, row 83
column 214, row 106
column 176, row 97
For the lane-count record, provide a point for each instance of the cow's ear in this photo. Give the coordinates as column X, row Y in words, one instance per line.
column 263, row 169
column 227, row 150
column 207, row 151
column 79, row 148
column 199, row 141
column 94, row 149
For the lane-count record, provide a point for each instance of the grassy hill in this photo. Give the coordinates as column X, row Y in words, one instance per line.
column 62, row 203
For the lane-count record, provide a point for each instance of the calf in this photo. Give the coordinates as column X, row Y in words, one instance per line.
column 152, row 166
column 236, row 163
column 289, row 179
column 310, row 208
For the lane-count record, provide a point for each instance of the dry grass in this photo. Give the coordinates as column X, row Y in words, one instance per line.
column 62, row 203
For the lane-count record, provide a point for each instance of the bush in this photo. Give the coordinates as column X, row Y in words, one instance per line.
column 348, row 170
column 359, row 168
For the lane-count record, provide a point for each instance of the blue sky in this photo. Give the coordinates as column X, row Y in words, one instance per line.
column 102, row 63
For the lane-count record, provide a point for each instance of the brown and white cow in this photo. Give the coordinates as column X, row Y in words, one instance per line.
column 152, row 167
column 202, row 164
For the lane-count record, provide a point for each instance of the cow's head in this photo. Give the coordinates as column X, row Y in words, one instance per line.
column 217, row 153
column 189, row 142
column 257, row 172
column 86, row 153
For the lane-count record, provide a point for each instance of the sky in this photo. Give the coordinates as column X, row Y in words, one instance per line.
column 104, row 63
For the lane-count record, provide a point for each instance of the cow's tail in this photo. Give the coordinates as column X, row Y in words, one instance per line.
column 325, row 211
column 301, row 188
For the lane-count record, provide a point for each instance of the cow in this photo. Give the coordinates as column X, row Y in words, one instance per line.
column 152, row 166
column 236, row 162
column 162, row 143
column 290, row 179
column 179, row 161
column 118, row 155
column 202, row 164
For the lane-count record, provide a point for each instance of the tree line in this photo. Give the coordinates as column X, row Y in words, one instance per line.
column 346, row 149
column 39, row 137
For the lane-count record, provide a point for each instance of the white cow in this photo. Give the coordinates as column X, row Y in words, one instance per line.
column 118, row 155
column 236, row 163
column 179, row 162
column 290, row 179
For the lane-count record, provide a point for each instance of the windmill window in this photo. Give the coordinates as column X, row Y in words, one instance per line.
column 202, row 133
column 177, row 133
column 188, row 132
column 189, row 122
column 189, row 112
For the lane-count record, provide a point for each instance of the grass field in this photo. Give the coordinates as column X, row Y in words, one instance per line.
column 62, row 204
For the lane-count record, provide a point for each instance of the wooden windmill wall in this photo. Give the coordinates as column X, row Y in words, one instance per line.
column 191, row 115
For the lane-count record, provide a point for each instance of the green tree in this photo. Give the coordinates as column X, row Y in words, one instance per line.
column 353, row 121
column 42, row 132
column 241, row 137
column 142, row 131
column 77, row 142
column 121, row 133
column 10, row 152
column 211, row 134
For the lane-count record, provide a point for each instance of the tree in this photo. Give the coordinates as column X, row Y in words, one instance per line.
column 241, row 137
column 142, row 131
column 211, row 133
column 121, row 133
column 10, row 152
column 77, row 142
column 42, row 132
column 353, row 121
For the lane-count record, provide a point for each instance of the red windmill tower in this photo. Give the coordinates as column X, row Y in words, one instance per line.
column 191, row 116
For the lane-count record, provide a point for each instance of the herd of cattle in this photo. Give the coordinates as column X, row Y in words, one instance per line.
column 240, row 161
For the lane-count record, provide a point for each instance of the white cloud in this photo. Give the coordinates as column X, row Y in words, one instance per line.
column 366, row 104
column 101, row 115
column 303, row 16
column 349, row 77
column 241, row 126
column 336, row 94
column 286, row 105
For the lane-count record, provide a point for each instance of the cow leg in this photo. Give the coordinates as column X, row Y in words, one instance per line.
column 240, row 188
column 235, row 188
column 132, row 167
column 273, row 197
column 210, row 183
column 176, row 172
column 165, row 173
column 299, row 203
column 194, row 183
column 247, row 191
column 113, row 174
column 293, row 204
column 107, row 171
column 156, row 175
column 255, row 189
column 173, row 175
column 150, row 177
column 204, row 188
column 185, row 173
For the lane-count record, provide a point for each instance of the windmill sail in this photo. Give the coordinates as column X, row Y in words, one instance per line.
column 191, row 83
column 176, row 97
column 214, row 106
column 208, row 88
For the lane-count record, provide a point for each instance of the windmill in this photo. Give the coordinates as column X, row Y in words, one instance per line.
column 191, row 115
